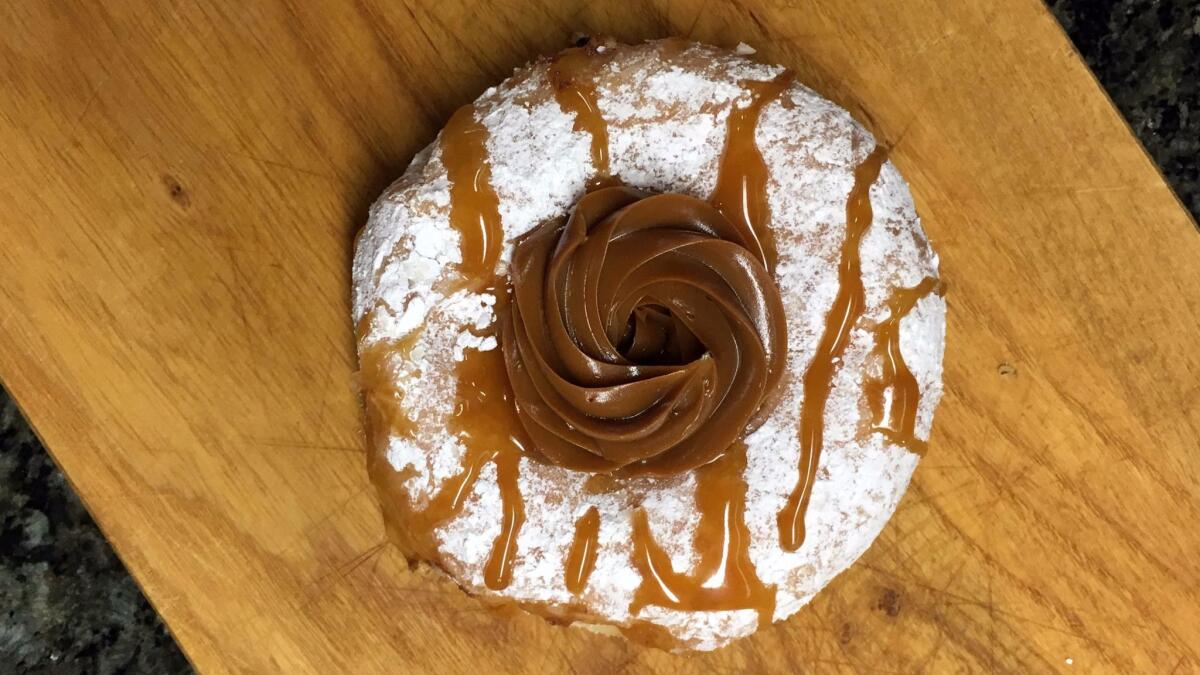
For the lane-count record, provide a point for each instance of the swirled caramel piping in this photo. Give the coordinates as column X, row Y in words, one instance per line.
column 643, row 334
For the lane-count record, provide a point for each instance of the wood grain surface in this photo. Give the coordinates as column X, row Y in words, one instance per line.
column 179, row 185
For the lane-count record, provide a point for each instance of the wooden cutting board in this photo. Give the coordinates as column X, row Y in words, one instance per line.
column 180, row 184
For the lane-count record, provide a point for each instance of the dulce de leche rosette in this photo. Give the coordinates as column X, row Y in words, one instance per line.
column 642, row 333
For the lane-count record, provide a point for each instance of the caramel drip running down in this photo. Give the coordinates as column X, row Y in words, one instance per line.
column 485, row 420
column 411, row 529
column 671, row 47
column 572, row 75
column 899, row 424
column 725, row 577
column 581, row 559
column 650, row 635
column 818, row 379
column 474, row 207
column 384, row 402
column 484, row 417
column 742, row 178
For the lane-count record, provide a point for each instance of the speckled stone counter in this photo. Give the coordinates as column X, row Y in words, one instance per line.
column 1146, row 54
column 68, row 606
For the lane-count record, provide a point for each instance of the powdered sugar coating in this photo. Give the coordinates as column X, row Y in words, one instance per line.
column 666, row 118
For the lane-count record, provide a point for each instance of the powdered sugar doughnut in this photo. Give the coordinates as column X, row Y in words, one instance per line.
column 681, row 553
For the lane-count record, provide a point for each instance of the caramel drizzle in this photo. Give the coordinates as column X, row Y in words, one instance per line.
column 384, row 410
column 575, row 90
column 671, row 47
column 485, row 418
column 499, row 570
column 650, row 635
column 818, row 379
column 742, row 178
column 410, row 529
column 581, row 559
column 725, row 577
column 899, row 423
column 486, row 422
column 474, row 206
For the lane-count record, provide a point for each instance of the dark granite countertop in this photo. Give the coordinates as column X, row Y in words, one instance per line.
column 67, row 604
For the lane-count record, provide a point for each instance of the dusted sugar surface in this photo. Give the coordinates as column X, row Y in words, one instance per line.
column 666, row 117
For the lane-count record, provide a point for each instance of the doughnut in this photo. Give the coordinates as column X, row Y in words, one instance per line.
column 650, row 341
